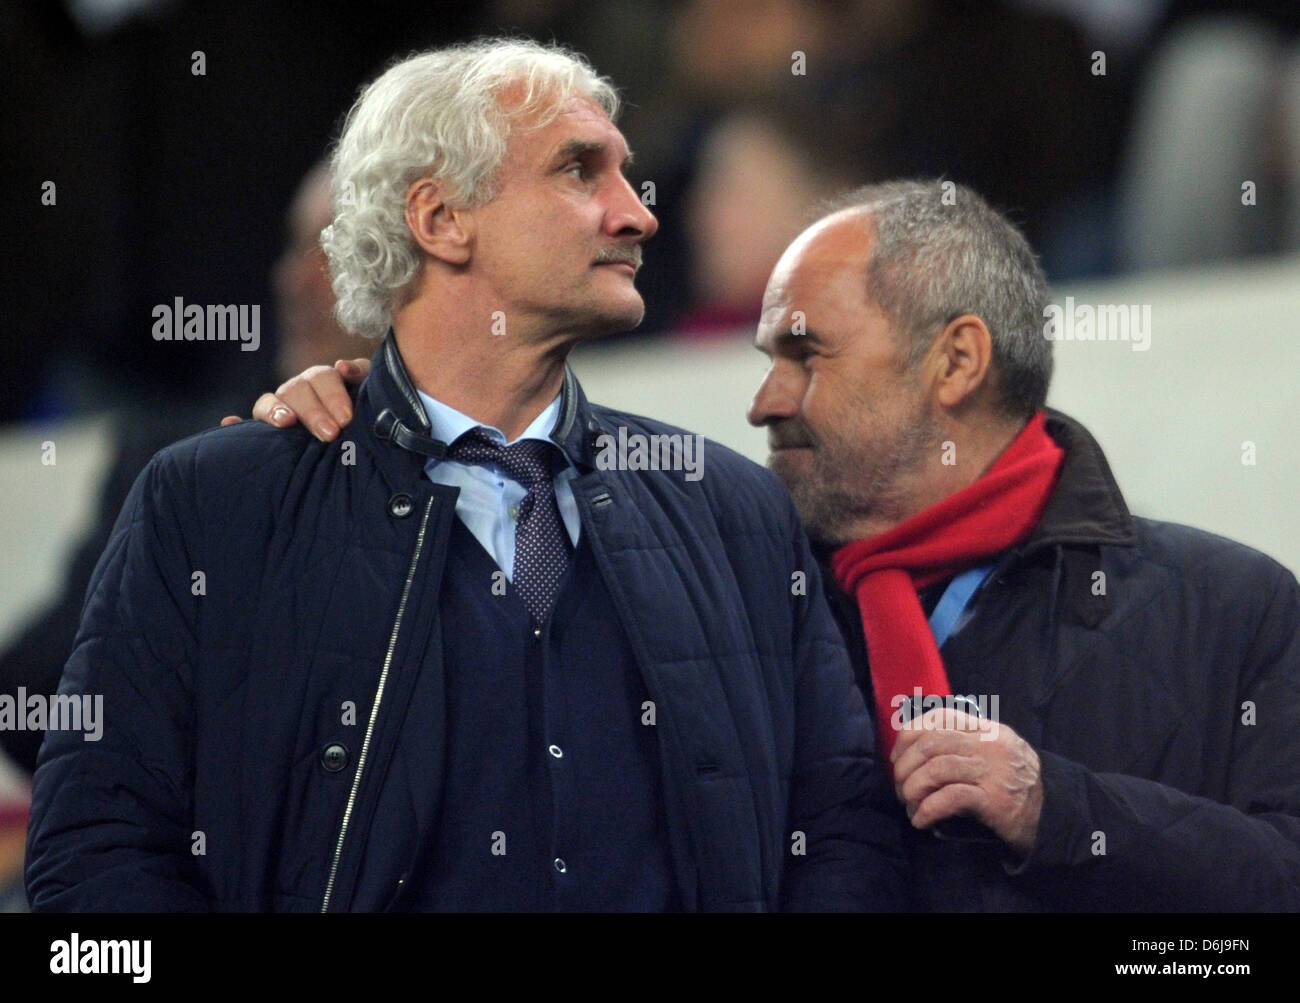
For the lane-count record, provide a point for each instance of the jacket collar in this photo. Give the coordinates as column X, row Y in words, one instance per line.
column 1086, row 506
column 389, row 406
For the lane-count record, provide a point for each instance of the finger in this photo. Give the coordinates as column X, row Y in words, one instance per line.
column 952, row 719
column 939, row 772
column 927, row 745
column 934, row 719
column 230, row 419
column 904, row 738
column 300, row 395
column 332, row 392
column 353, row 370
column 270, row 409
column 950, row 801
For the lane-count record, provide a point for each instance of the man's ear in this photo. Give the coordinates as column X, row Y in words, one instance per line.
column 964, row 358
column 441, row 231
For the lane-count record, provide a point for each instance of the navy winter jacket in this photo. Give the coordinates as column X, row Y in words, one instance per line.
column 257, row 580
column 1156, row 669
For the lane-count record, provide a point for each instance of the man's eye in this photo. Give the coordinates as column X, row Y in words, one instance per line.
column 577, row 170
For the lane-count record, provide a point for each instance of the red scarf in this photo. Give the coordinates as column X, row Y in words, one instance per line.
column 886, row 572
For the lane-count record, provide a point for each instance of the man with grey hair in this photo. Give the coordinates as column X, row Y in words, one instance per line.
column 453, row 661
column 1072, row 705
column 1082, row 709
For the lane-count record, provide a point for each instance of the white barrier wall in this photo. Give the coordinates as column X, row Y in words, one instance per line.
column 48, row 507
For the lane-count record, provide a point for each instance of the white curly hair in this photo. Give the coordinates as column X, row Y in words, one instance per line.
column 436, row 113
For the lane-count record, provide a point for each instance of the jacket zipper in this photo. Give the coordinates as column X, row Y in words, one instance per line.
column 374, row 710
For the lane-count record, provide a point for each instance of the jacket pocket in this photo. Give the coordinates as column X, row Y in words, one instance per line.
column 731, row 864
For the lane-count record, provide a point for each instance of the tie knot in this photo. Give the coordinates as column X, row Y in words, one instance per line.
column 527, row 461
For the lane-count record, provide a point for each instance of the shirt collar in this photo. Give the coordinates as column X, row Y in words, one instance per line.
column 448, row 424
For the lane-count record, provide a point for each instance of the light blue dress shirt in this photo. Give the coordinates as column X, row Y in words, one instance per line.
column 489, row 498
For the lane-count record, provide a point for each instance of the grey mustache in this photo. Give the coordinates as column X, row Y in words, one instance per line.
column 787, row 436
column 620, row 255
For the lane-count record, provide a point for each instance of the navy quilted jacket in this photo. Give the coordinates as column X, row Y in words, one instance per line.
column 1156, row 669
column 258, row 579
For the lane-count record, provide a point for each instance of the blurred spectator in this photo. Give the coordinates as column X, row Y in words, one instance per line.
column 304, row 301
column 173, row 132
column 15, row 801
column 732, row 50
column 759, row 176
column 308, row 335
column 983, row 93
column 1211, row 169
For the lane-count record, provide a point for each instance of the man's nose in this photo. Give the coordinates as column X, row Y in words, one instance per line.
column 630, row 215
column 775, row 398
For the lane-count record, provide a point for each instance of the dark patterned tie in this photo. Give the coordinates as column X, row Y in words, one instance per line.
column 541, row 541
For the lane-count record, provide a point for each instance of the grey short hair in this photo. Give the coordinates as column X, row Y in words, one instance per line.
column 438, row 113
column 934, row 259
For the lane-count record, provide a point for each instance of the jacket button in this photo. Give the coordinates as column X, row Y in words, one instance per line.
column 399, row 506
column 334, row 757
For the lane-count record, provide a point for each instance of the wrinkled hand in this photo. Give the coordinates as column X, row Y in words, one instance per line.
column 947, row 763
column 316, row 397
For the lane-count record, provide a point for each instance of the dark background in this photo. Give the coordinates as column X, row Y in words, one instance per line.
column 170, row 184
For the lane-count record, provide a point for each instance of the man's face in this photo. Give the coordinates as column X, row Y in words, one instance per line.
column 848, row 428
column 560, row 244
column 309, row 334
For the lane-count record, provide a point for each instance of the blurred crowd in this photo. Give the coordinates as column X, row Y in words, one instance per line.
column 1103, row 128
column 1121, row 135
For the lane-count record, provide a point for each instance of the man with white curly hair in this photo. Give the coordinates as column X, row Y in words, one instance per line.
column 454, row 659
